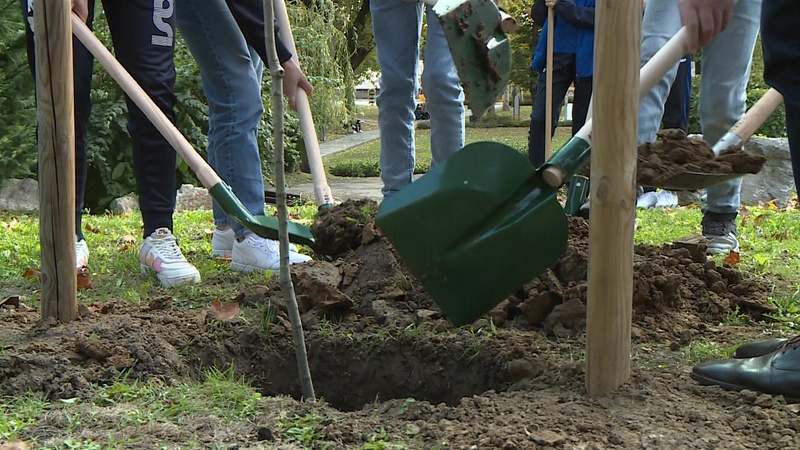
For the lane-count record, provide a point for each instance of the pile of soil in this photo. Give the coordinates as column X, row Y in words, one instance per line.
column 385, row 360
column 674, row 152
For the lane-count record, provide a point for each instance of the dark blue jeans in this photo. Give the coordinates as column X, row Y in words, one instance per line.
column 563, row 76
column 780, row 37
column 143, row 36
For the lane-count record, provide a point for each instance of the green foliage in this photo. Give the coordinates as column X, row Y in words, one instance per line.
column 323, row 56
column 367, row 168
column 18, row 152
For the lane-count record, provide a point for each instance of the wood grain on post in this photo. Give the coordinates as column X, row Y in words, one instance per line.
column 613, row 194
column 56, row 138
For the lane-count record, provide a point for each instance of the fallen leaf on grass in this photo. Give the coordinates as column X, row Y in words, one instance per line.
column 14, row 445
column 84, row 279
column 209, row 232
column 91, row 229
column 224, row 313
column 732, row 258
column 11, row 224
column 30, row 272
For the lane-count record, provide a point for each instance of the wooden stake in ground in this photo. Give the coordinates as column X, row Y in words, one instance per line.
column 55, row 112
column 287, row 288
column 613, row 194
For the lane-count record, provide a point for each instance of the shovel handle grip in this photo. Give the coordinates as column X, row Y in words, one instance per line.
column 204, row 172
column 757, row 114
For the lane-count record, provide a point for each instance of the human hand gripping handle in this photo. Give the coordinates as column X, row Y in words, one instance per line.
column 705, row 19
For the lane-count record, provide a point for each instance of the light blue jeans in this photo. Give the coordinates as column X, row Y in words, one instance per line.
column 396, row 27
column 231, row 75
column 723, row 82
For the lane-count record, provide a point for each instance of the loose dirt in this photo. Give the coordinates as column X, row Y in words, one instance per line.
column 384, row 358
column 674, row 152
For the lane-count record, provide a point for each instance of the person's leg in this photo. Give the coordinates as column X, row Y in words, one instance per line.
column 396, row 27
column 661, row 21
column 723, row 92
column 563, row 73
column 143, row 36
column 443, row 93
column 781, row 42
column 231, row 82
column 676, row 106
column 580, row 102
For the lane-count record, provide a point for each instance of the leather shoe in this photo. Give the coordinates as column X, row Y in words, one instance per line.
column 758, row 348
column 776, row 373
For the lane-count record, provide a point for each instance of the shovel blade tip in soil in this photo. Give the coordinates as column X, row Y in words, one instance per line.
column 475, row 228
column 266, row 227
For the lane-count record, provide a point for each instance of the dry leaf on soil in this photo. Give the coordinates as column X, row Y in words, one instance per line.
column 11, row 302
column 224, row 313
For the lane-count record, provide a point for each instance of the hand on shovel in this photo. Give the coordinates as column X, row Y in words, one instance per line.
column 704, row 19
column 294, row 78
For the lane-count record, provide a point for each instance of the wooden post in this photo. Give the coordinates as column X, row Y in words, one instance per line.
column 55, row 111
column 613, row 194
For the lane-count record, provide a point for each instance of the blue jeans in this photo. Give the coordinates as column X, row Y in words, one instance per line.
column 396, row 27
column 723, row 82
column 231, row 74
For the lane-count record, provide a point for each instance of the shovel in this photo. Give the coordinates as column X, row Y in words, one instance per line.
column 261, row 225
column 322, row 191
column 482, row 223
column 735, row 137
column 476, row 34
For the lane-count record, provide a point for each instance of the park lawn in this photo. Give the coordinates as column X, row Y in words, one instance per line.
column 515, row 137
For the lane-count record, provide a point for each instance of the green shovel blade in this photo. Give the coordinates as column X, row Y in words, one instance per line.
column 475, row 228
column 481, row 51
column 266, row 227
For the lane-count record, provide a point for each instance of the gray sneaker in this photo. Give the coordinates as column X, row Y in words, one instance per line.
column 720, row 230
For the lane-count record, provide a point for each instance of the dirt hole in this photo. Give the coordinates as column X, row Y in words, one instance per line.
column 350, row 375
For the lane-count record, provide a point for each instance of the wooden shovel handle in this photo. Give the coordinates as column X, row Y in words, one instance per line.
column 204, row 172
column 653, row 71
column 548, row 87
column 322, row 191
column 757, row 114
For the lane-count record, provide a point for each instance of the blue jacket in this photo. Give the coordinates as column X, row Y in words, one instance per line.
column 573, row 33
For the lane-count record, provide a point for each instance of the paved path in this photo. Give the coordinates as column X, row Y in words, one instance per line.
column 345, row 188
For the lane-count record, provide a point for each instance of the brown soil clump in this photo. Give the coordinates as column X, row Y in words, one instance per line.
column 674, row 153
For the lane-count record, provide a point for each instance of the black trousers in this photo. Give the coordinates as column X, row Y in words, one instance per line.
column 143, row 34
column 676, row 107
column 564, row 67
column 780, row 37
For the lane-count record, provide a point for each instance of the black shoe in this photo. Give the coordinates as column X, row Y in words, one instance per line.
column 776, row 373
column 759, row 348
column 720, row 230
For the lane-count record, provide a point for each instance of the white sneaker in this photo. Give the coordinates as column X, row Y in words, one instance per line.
column 81, row 254
column 256, row 253
column 222, row 243
column 667, row 199
column 161, row 254
column 647, row 200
